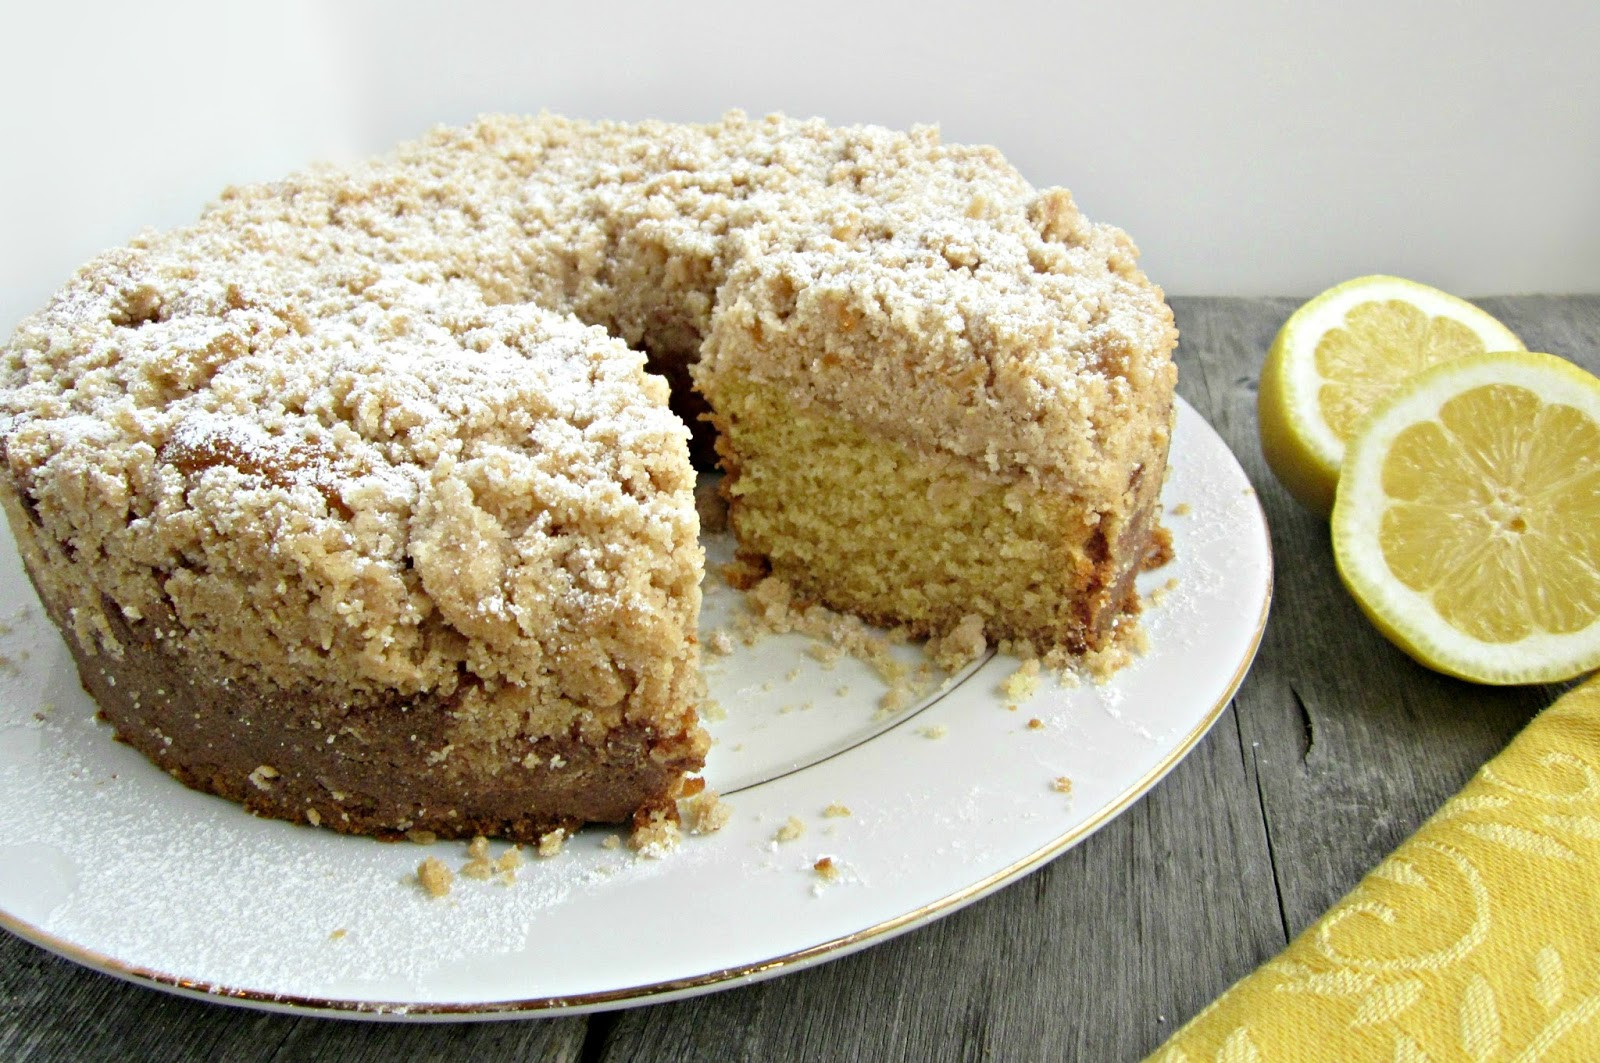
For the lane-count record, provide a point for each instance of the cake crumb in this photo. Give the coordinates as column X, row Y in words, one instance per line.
column 421, row 837
column 743, row 574
column 338, row 935
column 828, row 655
column 313, row 817
column 720, row 642
column 1035, row 724
column 837, row 811
column 960, row 646
column 826, row 869
column 705, row 812
column 551, row 843
column 655, row 832
column 435, row 877
column 509, row 861
column 1023, row 683
column 478, row 865
column 937, row 730
column 1062, row 785
column 479, row 870
column 842, row 691
column 791, row 830
column 1129, row 640
column 711, row 507
column 262, row 777
column 611, row 841
column 792, row 675
column 894, row 699
column 711, row 709
column 1182, row 509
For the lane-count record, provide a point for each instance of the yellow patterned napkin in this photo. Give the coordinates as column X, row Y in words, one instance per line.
column 1478, row 939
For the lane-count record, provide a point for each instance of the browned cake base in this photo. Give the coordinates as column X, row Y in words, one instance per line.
column 365, row 767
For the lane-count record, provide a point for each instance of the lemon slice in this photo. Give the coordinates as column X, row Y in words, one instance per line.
column 1342, row 352
column 1467, row 523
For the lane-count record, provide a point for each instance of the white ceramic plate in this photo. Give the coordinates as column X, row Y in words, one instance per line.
column 106, row 860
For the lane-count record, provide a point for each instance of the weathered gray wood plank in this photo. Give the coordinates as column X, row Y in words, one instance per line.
column 52, row 1010
column 1355, row 743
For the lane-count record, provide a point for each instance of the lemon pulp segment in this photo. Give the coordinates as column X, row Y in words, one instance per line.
column 1380, row 344
column 1495, row 514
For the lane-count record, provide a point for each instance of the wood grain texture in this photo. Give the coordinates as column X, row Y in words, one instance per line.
column 52, row 1010
column 1336, row 747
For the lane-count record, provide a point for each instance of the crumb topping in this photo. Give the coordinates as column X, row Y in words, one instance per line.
column 364, row 410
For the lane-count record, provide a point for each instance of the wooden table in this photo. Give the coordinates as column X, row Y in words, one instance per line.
column 1335, row 749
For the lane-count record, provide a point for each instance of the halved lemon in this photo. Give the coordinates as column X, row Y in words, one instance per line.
column 1342, row 352
column 1467, row 522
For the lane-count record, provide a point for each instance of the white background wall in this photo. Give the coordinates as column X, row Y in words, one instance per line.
column 1248, row 147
